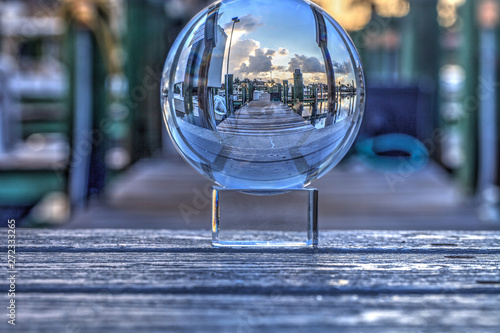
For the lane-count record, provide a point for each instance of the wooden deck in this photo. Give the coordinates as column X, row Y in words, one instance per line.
column 263, row 117
column 168, row 193
column 154, row 194
column 173, row 281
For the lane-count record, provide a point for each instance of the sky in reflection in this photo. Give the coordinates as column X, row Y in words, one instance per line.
column 270, row 44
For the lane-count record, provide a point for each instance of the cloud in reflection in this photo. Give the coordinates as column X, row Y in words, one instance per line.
column 282, row 51
column 261, row 61
column 241, row 50
column 306, row 64
column 343, row 68
column 246, row 24
column 270, row 52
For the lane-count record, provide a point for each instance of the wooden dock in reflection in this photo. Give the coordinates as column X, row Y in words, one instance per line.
column 263, row 117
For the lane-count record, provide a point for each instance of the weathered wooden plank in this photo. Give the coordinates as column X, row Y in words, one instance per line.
column 118, row 312
column 106, row 240
column 268, row 119
column 177, row 262
column 259, row 273
column 173, row 281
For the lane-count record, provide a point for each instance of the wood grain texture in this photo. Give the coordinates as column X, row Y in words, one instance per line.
column 164, row 194
column 173, row 281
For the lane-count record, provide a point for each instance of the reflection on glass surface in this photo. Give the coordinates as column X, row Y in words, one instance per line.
column 263, row 93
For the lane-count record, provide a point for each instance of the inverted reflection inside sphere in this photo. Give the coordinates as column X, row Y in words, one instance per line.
column 263, row 94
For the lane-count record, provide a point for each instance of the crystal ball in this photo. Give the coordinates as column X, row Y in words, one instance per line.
column 263, row 94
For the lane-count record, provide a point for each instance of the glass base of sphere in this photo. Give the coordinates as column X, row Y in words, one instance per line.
column 264, row 218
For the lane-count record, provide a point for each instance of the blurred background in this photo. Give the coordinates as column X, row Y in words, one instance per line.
column 82, row 143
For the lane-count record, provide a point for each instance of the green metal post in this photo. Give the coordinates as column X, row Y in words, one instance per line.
column 146, row 49
column 468, row 125
column 285, row 89
column 229, row 92
column 250, row 92
column 298, row 83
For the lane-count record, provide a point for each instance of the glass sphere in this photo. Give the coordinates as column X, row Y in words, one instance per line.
column 263, row 94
